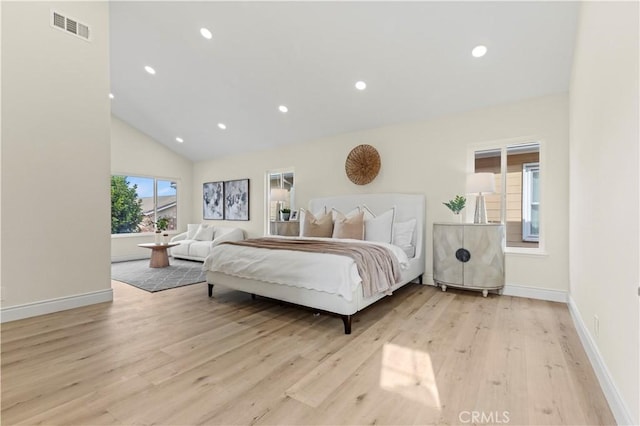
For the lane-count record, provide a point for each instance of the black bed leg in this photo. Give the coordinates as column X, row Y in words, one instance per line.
column 346, row 319
column 420, row 279
column 210, row 290
column 253, row 296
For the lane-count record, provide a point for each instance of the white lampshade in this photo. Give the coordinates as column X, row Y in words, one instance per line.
column 279, row 194
column 481, row 183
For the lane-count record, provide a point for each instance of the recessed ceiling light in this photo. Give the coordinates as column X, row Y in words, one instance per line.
column 361, row 85
column 222, row 126
column 111, row 96
column 150, row 70
column 479, row 51
column 206, row 33
column 283, row 108
column 180, row 140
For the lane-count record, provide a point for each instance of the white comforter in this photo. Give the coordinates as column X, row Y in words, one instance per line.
column 329, row 273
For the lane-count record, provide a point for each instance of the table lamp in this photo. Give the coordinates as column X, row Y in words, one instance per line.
column 480, row 183
column 279, row 195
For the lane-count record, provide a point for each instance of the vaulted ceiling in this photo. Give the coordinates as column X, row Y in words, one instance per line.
column 415, row 58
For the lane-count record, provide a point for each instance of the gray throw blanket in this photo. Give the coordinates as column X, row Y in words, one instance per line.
column 378, row 266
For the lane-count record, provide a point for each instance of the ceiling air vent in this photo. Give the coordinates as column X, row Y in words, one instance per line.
column 69, row 25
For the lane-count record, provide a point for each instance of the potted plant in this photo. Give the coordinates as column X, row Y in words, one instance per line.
column 456, row 205
column 162, row 225
column 284, row 213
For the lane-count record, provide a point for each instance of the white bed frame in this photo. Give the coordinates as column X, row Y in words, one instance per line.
column 407, row 206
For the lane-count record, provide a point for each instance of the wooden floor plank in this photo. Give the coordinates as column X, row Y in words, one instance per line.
column 179, row 357
column 319, row 383
column 502, row 392
column 550, row 388
column 594, row 408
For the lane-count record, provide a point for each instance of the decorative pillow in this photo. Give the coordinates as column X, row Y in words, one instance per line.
column 403, row 233
column 302, row 214
column 204, row 233
column 335, row 213
column 349, row 227
column 192, row 228
column 320, row 226
column 379, row 228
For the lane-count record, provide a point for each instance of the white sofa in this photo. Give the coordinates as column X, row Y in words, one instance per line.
column 197, row 242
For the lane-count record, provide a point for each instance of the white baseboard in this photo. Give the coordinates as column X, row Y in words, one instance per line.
column 520, row 291
column 13, row 313
column 535, row 293
column 616, row 403
column 128, row 257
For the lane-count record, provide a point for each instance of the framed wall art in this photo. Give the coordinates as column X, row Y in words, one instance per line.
column 213, row 200
column 236, row 199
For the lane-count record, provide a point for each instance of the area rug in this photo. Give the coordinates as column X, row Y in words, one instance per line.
column 138, row 273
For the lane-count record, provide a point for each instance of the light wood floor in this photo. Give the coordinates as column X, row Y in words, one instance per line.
column 419, row 357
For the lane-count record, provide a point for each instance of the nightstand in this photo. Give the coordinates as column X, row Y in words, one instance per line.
column 469, row 256
column 288, row 228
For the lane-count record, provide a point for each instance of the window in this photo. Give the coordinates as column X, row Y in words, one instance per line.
column 530, row 201
column 137, row 202
column 280, row 195
column 516, row 202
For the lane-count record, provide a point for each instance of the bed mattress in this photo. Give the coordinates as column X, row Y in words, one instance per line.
column 328, row 273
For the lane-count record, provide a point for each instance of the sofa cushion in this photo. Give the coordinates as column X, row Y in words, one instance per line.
column 200, row 249
column 205, row 233
column 192, row 228
column 191, row 248
column 221, row 230
column 182, row 249
column 228, row 234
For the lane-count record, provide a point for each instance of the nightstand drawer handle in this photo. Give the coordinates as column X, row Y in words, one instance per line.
column 463, row 255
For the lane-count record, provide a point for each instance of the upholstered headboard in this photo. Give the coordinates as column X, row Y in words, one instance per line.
column 407, row 206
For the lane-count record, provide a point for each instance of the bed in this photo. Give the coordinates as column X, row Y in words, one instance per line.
column 333, row 297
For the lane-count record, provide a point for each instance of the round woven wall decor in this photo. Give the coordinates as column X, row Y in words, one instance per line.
column 363, row 164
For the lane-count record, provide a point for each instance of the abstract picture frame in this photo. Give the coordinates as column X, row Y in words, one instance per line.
column 213, row 200
column 294, row 215
column 236, row 199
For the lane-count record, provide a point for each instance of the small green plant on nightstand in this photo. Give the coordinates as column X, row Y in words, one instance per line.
column 457, row 204
column 284, row 213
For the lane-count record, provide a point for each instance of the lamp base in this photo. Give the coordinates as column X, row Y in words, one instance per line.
column 480, row 215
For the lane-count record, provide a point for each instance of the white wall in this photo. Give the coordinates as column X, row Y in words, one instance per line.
column 55, row 154
column 135, row 153
column 426, row 157
column 605, row 192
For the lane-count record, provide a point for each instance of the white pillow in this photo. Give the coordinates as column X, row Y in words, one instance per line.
column 192, row 228
column 379, row 228
column 204, row 233
column 403, row 233
column 302, row 221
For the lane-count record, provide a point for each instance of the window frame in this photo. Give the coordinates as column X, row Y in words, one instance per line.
column 267, row 192
column 527, row 201
column 155, row 203
column 503, row 145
